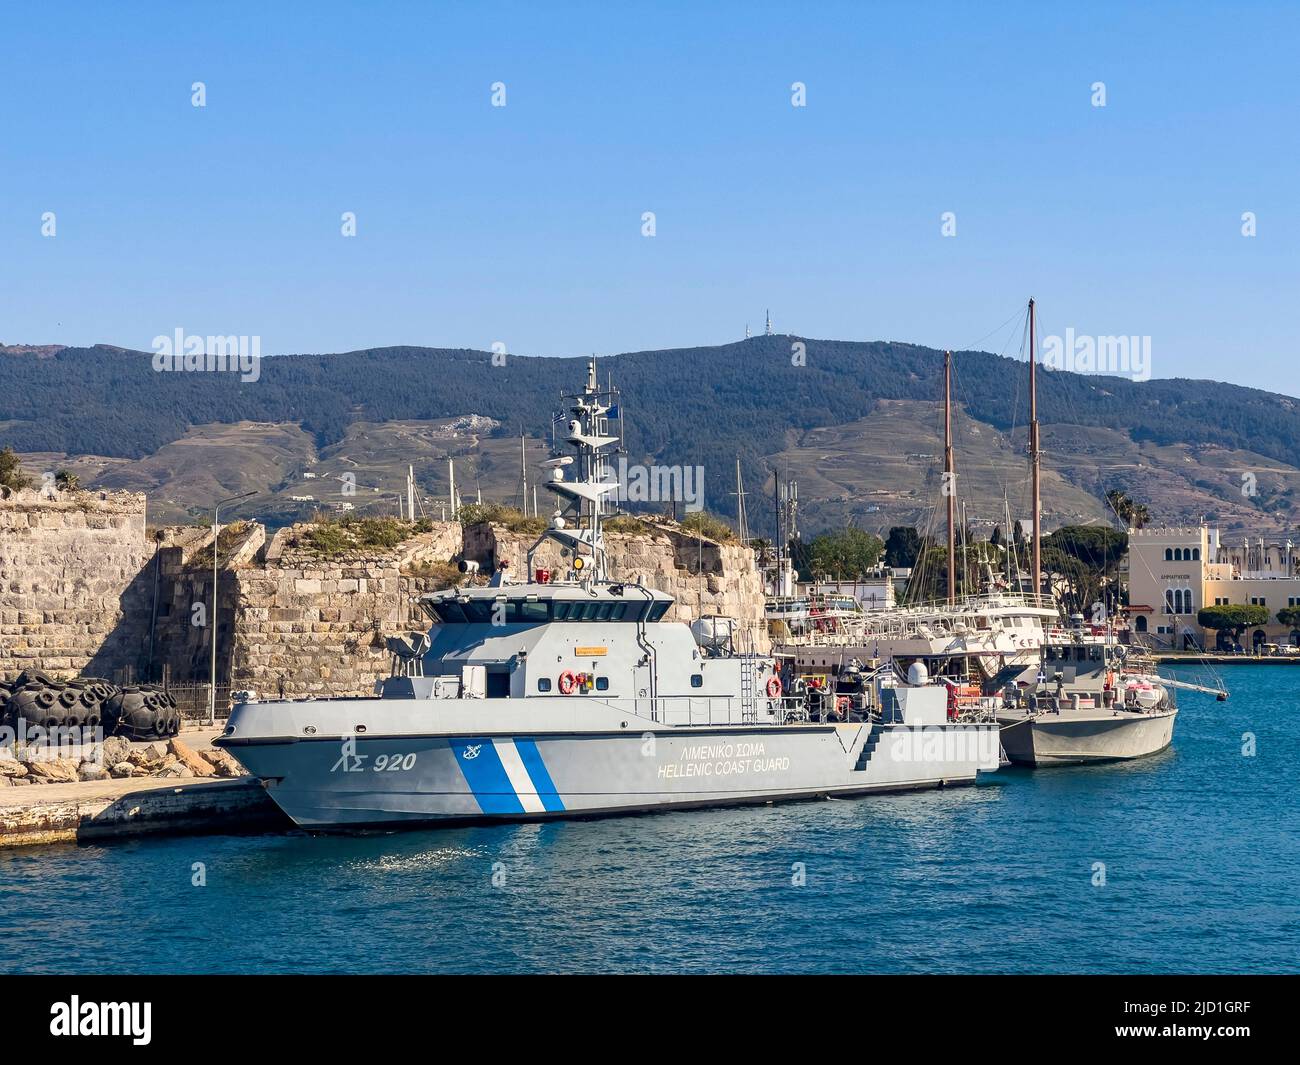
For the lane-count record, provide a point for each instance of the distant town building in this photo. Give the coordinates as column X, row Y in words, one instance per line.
column 1174, row 572
column 874, row 593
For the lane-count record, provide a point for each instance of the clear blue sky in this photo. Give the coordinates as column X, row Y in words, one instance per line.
column 522, row 224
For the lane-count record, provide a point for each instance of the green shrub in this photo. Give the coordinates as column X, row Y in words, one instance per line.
column 440, row 574
column 11, row 473
column 351, row 533
column 702, row 523
column 625, row 523
column 499, row 514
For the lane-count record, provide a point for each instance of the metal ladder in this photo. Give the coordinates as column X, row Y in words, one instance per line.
column 748, row 703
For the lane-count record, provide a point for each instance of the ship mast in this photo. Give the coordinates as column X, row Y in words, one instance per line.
column 949, row 477
column 1035, row 457
column 588, row 433
column 742, row 519
column 1010, row 545
column 523, row 471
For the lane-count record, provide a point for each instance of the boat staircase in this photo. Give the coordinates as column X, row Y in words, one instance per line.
column 868, row 749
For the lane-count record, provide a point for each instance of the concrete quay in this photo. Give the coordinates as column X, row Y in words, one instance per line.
column 105, row 809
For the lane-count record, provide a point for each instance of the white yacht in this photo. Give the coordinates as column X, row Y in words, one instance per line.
column 977, row 636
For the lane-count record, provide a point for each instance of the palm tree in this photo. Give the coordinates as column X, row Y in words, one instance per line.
column 1132, row 515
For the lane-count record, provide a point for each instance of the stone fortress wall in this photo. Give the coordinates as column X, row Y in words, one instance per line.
column 73, row 593
column 84, row 589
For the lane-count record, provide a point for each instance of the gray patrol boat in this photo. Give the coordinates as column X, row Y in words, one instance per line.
column 569, row 694
column 1088, row 701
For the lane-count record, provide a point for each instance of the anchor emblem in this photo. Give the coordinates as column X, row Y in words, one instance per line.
column 472, row 751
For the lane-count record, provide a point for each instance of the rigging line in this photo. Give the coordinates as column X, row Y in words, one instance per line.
column 1015, row 409
column 991, row 463
column 995, row 329
column 930, row 515
column 1203, row 662
column 1019, row 497
column 1015, row 404
column 999, row 470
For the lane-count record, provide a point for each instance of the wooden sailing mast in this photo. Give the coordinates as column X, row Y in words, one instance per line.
column 949, row 477
column 1035, row 457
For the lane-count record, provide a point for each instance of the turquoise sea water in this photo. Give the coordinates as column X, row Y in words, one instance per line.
column 1201, row 848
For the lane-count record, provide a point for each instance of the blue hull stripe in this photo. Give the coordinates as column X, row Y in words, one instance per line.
column 532, row 759
column 486, row 776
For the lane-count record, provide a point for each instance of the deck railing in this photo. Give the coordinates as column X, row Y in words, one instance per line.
column 703, row 710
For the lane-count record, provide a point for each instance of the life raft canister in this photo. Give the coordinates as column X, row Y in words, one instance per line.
column 774, row 687
column 567, row 682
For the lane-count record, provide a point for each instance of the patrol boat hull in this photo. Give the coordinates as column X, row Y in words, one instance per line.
column 1074, row 737
column 570, row 695
column 327, row 781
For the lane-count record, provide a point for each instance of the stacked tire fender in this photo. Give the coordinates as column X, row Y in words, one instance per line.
column 138, row 712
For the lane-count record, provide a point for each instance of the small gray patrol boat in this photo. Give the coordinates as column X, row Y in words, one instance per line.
column 569, row 694
column 1088, row 701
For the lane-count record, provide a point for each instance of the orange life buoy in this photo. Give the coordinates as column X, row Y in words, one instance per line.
column 774, row 688
column 567, row 682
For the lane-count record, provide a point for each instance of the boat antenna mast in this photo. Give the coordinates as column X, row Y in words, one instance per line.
column 588, row 433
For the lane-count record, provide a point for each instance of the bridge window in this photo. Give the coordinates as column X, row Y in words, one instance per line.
column 537, row 612
column 543, row 684
column 602, row 684
column 595, row 610
column 447, row 613
column 697, row 680
column 482, row 612
column 531, row 612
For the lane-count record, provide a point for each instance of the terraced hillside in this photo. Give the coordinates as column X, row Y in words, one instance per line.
column 857, row 424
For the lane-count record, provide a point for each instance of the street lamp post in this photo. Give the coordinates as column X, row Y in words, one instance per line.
column 212, row 621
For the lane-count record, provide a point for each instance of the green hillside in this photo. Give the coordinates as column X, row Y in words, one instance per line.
column 1184, row 438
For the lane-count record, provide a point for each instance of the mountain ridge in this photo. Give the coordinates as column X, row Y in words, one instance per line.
column 704, row 405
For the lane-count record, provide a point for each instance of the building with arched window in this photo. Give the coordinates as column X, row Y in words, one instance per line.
column 1174, row 572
